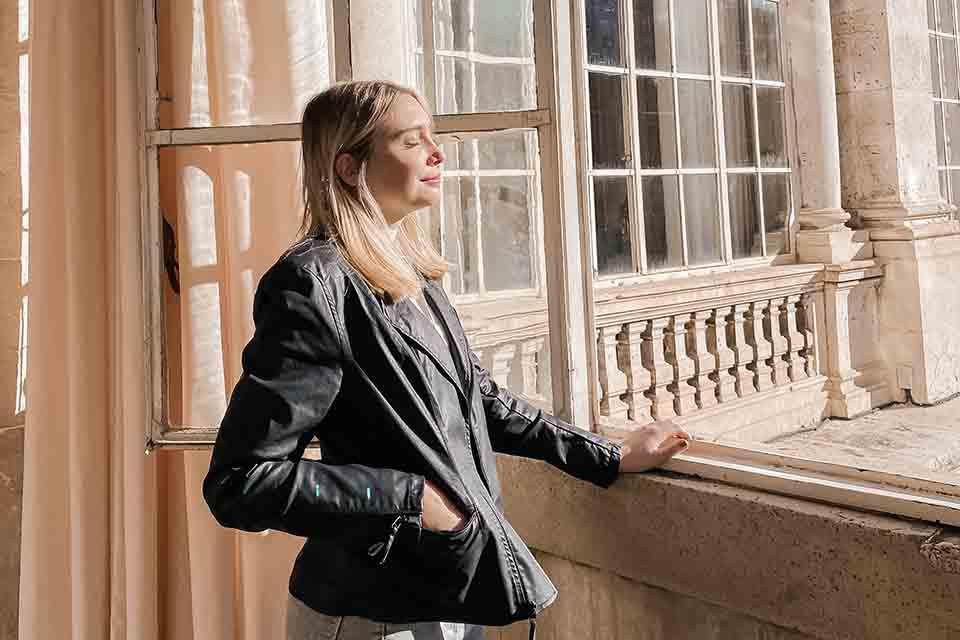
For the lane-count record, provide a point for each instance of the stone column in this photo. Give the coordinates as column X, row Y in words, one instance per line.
column 888, row 166
column 823, row 235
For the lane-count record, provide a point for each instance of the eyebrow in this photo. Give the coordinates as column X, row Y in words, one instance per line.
column 425, row 125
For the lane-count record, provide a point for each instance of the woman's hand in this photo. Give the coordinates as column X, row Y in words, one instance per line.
column 439, row 513
column 652, row 445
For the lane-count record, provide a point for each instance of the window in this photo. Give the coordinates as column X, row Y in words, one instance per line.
column 23, row 42
column 942, row 23
column 687, row 164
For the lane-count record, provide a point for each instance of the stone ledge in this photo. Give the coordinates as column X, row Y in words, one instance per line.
column 825, row 571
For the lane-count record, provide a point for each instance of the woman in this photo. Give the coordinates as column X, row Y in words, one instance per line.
column 356, row 344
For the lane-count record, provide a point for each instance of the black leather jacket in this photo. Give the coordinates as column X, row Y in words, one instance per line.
column 391, row 406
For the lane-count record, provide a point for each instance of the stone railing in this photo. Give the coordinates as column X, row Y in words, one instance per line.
column 664, row 366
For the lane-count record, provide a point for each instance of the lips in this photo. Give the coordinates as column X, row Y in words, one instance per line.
column 431, row 180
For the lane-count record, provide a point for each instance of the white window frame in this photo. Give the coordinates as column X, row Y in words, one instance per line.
column 569, row 283
column 635, row 174
column 949, row 191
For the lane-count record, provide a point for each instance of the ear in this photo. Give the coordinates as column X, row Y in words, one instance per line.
column 347, row 168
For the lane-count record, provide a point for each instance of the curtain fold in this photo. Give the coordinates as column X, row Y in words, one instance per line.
column 117, row 544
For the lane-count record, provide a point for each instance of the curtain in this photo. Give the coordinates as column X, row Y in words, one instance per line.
column 117, row 544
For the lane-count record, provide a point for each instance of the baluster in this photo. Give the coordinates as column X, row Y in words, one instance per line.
column 530, row 367
column 503, row 356
column 742, row 352
column 788, row 317
column 778, row 342
column 613, row 382
column 724, row 357
column 661, row 371
column 761, row 347
column 638, row 381
column 703, row 360
column 805, row 322
column 684, row 367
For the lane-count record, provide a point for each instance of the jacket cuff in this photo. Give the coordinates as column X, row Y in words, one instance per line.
column 610, row 469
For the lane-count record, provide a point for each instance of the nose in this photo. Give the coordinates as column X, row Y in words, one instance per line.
column 436, row 155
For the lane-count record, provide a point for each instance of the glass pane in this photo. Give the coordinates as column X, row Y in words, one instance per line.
column 661, row 222
column 697, row 142
column 934, row 67
column 702, row 213
column 451, row 24
column 931, row 15
column 734, row 38
column 948, row 59
column 505, row 87
column 657, row 125
column 222, row 232
column 505, row 28
column 938, row 124
column 693, row 37
column 942, row 179
column 507, row 210
column 651, row 34
column 23, row 20
column 776, row 207
column 460, row 234
column 606, row 121
column 240, row 63
column 951, row 112
column 603, row 32
column 946, row 16
column 507, row 150
column 738, row 125
column 454, row 89
column 766, row 39
column 770, row 118
column 954, row 186
column 612, row 225
column 744, row 216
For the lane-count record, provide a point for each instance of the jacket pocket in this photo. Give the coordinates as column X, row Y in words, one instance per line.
column 448, row 560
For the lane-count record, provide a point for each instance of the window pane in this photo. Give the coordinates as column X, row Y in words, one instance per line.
column 693, row 37
column 948, row 58
column 766, row 39
column 505, row 202
column 952, row 132
column 507, row 150
column 661, row 222
column 770, row 112
column 738, row 125
column 454, row 89
column 931, row 15
column 651, row 33
column 734, row 40
column 934, row 67
column 505, row 28
column 239, row 63
column 460, row 234
column 698, row 145
column 702, row 213
column 230, row 211
column 955, row 186
column 744, row 216
column 451, row 24
column 606, row 121
column 603, row 32
column 657, row 125
column 938, row 124
column 942, row 179
column 776, row 206
column 612, row 225
column 505, row 87
column 946, row 16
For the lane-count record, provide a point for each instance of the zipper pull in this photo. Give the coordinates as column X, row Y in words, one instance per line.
column 382, row 549
column 533, row 628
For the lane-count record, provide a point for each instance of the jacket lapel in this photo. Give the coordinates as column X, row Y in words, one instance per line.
column 459, row 349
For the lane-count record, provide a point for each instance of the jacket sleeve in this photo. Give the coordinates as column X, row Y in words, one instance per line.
column 292, row 372
column 518, row 428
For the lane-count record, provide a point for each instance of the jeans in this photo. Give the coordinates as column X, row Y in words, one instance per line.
column 303, row 623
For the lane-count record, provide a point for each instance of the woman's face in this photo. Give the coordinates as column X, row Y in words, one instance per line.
column 403, row 172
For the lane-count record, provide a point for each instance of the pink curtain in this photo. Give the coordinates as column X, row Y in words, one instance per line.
column 117, row 544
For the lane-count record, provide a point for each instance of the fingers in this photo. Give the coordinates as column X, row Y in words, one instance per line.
column 672, row 449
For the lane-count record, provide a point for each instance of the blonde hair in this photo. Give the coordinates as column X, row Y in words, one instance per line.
column 346, row 118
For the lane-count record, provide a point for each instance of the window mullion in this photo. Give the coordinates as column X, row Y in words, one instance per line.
column 671, row 8
column 638, row 239
column 756, row 128
column 429, row 56
column 726, row 228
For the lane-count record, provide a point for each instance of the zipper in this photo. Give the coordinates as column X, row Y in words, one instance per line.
column 533, row 627
column 380, row 551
